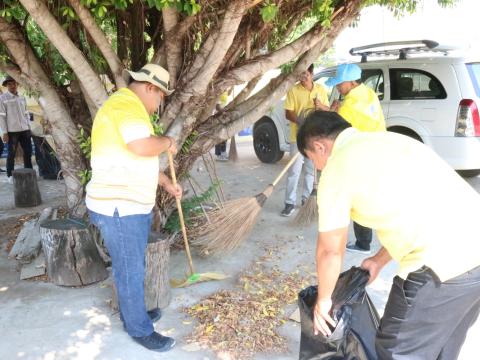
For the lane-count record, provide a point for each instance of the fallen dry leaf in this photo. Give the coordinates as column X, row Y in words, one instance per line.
column 237, row 324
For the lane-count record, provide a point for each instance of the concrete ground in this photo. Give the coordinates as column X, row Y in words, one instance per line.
column 42, row 321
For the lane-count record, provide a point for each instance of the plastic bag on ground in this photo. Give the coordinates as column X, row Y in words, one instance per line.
column 357, row 321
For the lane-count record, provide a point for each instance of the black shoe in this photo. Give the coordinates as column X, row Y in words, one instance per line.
column 2, row 171
column 358, row 249
column 156, row 342
column 289, row 209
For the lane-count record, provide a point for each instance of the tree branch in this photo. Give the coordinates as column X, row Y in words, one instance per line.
column 228, row 30
column 100, row 40
column 257, row 66
column 72, row 55
column 206, row 62
column 172, row 43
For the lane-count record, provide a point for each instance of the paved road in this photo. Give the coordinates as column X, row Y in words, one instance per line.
column 43, row 322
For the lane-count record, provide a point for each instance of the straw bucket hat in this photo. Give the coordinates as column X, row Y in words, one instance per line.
column 152, row 73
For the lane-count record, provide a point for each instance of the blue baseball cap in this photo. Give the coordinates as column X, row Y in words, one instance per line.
column 345, row 72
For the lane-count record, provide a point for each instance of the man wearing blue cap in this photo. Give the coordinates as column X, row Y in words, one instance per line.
column 361, row 108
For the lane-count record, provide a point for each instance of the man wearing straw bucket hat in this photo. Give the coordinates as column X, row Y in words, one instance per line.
column 121, row 194
column 392, row 183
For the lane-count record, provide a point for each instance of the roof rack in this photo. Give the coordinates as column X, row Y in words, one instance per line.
column 400, row 48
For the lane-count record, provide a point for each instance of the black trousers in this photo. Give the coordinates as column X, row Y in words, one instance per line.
column 24, row 139
column 221, row 148
column 426, row 319
column 363, row 236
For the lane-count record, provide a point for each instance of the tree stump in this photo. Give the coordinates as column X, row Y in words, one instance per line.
column 25, row 188
column 71, row 255
column 157, row 279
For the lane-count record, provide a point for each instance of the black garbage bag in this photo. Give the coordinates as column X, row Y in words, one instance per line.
column 357, row 321
column 48, row 164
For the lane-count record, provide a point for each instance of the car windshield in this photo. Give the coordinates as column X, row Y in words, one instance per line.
column 474, row 71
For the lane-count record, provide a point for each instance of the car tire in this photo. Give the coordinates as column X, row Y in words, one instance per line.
column 405, row 131
column 266, row 142
column 468, row 173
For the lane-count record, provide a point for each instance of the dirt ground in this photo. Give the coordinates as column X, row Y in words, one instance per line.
column 41, row 321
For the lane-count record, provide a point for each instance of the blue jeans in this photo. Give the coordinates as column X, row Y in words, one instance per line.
column 126, row 239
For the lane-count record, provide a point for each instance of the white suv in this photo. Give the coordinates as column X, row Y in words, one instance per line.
column 427, row 97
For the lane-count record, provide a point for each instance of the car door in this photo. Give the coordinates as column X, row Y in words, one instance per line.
column 374, row 78
column 418, row 101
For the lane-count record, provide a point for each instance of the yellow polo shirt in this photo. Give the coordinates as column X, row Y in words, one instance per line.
column 300, row 99
column 424, row 212
column 362, row 109
column 121, row 179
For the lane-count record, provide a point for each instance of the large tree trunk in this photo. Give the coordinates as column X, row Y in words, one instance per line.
column 64, row 131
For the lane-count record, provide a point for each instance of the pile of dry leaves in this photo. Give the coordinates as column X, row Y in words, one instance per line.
column 236, row 324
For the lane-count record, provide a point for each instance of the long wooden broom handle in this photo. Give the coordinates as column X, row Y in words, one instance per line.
column 285, row 169
column 180, row 213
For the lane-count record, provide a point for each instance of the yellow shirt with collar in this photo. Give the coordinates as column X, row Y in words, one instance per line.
column 121, row 179
column 300, row 99
column 362, row 109
column 423, row 211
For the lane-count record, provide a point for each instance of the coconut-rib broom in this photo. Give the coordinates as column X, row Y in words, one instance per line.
column 230, row 225
column 193, row 277
column 308, row 213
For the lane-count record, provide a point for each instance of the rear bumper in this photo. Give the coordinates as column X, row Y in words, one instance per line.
column 460, row 153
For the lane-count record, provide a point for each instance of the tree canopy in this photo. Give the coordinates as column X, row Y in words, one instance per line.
column 71, row 54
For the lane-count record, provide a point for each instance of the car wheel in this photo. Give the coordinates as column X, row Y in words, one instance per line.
column 266, row 143
column 468, row 173
column 406, row 132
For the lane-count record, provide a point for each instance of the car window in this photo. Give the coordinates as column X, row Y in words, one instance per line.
column 413, row 84
column 373, row 78
column 474, row 71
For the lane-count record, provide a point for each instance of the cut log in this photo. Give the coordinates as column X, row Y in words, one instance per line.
column 28, row 243
column 71, row 254
column 157, row 279
column 25, row 188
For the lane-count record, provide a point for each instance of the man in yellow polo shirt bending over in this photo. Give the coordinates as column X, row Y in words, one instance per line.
column 393, row 184
column 122, row 191
column 302, row 97
column 361, row 108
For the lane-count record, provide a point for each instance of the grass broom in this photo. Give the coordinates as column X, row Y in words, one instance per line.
column 308, row 213
column 230, row 225
column 193, row 277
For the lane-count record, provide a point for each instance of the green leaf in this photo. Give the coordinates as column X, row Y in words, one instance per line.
column 269, row 12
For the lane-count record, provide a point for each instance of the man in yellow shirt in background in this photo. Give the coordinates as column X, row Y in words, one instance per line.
column 302, row 97
column 361, row 108
column 393, row 184
column 122, row 191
